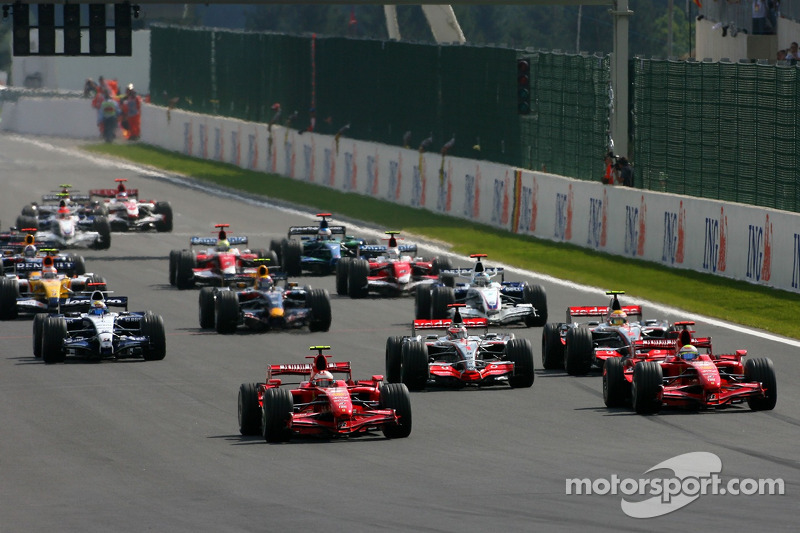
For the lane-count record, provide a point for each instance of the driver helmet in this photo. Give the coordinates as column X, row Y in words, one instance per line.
column 393, row 252
column 29, row 251
column 618, row 318
column 122, row 195
column 688, row 352
column 98, row 307
column 482, row 279
column 223, row 245
column 63, row 212
column 324, row 379
column 49, row 272
column 324, row 233
column 264, row 283
column 456, row 332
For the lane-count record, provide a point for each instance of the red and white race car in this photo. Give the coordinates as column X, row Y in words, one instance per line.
column 682, row 371
column 389, row 270
column 322, row 405
column 458, row 358
column 126, row 212
column 222, row 264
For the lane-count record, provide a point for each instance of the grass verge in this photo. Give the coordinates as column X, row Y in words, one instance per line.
column 744, row 303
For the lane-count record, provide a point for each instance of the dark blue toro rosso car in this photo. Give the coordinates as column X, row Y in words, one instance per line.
column 315, row 249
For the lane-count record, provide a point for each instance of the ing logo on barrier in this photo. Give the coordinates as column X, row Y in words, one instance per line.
column 288, row 155
column 328, row 167
column 444, row 193
column 393, row 191
column 595, row 230
column 635, row 229
column 203, row 132
column 219, row 145
column 560, row 226
column 500, row 201
column 235, row 148
column 715, row 243
column 759, row 252
column 349, row 172
column 372, row 176
column 672, row 247
column 418, row 188
column 252, row 151
column 308, row 163
column 469, row 196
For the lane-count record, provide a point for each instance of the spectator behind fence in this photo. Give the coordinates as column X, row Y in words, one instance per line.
column 759, row 17
column 610, row 174
column 792, row 55
column 625, row 171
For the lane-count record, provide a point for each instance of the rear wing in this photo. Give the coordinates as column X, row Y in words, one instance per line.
column 60, row 196
column 314, row 230
column 212, row 241
column 111, row 193
column 82, row 302
column 306, row 369
column 444, row 323
column 594, row 310
column 468, row 272
column 373, row 250
column 667, row 346
column 35, row 265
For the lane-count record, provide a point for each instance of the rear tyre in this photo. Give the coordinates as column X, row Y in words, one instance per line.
column 760, row 369
column 291, row 253
column 206, row 303
column 25, row 222
column 519, row 352
column 227, row 312
column 439, row 264
column 275, row 415
column 395, row 396
column 78, row 266
column 320, row 303
column 616, row 388
column 9, row 292
column 552, row 347
column 414, row 367
column 54, row 331
column 165, row 209
column 441, row 298
column 647, row 378
column 422, row 302
column 184, row 273
column 536, row 296
column 394, row 358
column 579, row 351
column 38, row 327
column 342, row 273
column 29, row 211
column 153, row 328
column 173, row 265
column 103, row 228
column 249, row 410
column 357, row 282
column 275, row 246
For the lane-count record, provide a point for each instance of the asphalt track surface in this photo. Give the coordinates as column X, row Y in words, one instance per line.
column 154, row 446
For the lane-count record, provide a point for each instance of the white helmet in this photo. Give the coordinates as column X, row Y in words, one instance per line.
column 324, row 379
column 688, row 353
column 481, row 279
column 324, row 233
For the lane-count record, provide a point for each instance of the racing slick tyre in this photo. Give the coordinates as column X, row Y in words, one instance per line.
column 38, row 326
column 519, row 352
column 270, row 256
column 414, row 367
column 579, row 352
column 29, row 211
column 184, row 275
column 152, row 327
column 342, row 273
column 9, row 291
column 760, row 369
column 552, row 347
column 275, row 246
column 173, row 265
column 616, row 388
column 79, row 266
column 103, row 228
column 320, row 303
column 227, row 312
column 441, row 298
column 249, row 410
column 537, row 297
column 206, row 303
column 422, row 302
column 54, row 331
column 439, row 264
column 647, row 378
column 275, row 415
column 395, row 396
column 291, row 253
column 25, row 221
column 98, row 283
column 394, row 358
column 357, row 283
column 165, row 209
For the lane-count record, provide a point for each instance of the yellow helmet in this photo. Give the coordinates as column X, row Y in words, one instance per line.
column 618, row 318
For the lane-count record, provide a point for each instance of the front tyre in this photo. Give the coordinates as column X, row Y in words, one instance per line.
column 519, row 352
column 414, row 365
column 276, row 413
column 760, row 369
column 153, row 328
column 647, row 378
column 395, row 396
column 249, row 410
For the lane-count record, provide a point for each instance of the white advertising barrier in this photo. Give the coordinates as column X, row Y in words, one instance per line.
column 737, row 241
column 59, row 117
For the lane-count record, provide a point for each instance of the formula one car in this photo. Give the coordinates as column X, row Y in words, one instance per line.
column 684, row 372
column 21, row 257
column 265, row 306
column 126, row 212
column 579, row 347
column 458, row 359
column 41, row 288
column 79, row 204
column 222, row 264
column 93, row 332
column 501, row 303
column 388, row 270
column 319, row 249
column 322, row 405
column 70, row 228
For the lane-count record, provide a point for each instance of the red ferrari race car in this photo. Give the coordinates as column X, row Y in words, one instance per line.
column 222, row 264
column 126, row 212
column 458, row 359
column 684, row 372
column 321, row 405
column 578, row 345
column 389, row 270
